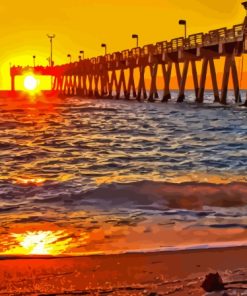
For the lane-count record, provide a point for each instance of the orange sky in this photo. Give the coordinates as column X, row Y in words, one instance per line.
column 85, row 24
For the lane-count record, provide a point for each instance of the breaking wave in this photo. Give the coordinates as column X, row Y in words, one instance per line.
column 160, row 195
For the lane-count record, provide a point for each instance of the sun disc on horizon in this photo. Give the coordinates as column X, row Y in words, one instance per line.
column 30, row 83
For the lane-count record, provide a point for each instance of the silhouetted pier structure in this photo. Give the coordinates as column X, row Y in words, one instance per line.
column 113, row 75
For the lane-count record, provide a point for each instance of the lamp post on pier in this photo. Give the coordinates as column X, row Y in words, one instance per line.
column 104, row 46
column 69, row 56
column 82, row 54
column 183, row 23
column 34, row 57
column 135, row 36
column 245, row 6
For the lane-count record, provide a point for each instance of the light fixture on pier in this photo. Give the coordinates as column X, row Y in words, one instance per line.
column 34, row 57
column 183, row 23
column 69, row 56
column 135, row 36
column 82, row 54
column 105, row 46
column 245, row 6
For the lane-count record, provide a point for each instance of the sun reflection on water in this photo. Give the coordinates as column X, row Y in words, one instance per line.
column 171, row 177
column 29, row 181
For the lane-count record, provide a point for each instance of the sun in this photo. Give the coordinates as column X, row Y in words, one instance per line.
column 30, row 83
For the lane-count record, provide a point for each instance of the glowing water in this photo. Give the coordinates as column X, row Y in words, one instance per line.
column 86, row 176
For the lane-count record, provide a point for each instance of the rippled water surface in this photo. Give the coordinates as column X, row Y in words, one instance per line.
column 82, row 175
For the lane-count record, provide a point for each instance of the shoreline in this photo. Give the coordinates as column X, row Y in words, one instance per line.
column 163, row 273
column 165, row 251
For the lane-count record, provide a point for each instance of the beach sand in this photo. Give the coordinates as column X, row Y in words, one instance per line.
column 167, row 273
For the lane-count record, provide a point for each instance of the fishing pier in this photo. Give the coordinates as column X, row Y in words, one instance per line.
column 123, row 74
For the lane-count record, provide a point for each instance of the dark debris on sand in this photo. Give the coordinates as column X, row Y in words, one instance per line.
column 213, row 283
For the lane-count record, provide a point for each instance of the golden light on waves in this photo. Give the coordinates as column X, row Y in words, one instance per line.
column 186, row 177
column 40, row 243
column 29, row 181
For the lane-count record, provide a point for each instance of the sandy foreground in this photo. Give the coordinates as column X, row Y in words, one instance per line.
column 173, row 273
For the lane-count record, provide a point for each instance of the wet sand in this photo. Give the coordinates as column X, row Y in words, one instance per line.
column 173, row 273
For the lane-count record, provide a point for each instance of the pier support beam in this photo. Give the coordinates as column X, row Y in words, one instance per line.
column 214, row 81
column 90, row 79
column 55, row 83
column 84, row 86
column 66, row 90
column 96, row 87
column 153, row 94
column 167, row 78
column 112, row 81
column 178, row 73
column 102, row 85
column 79, row 86
column 131, row 84
column 235, row 81
column 202, row 81
column 60, row 84
column 141, row 86
column 13, row 82
column 195, row 77
column 121, row 84
column 106, row 86
column 225, row 80
column 74, row 84
column 71, row 85
column 181, row 95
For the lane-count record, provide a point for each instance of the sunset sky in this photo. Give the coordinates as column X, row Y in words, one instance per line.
column 85, row 24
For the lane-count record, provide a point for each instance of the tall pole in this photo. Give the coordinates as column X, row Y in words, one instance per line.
column 34, row 57
column 51, row 37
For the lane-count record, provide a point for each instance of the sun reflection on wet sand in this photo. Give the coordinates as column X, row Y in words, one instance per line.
column 117, row 240
column 40, row 243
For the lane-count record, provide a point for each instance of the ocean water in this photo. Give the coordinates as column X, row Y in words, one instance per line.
column 86, row 176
